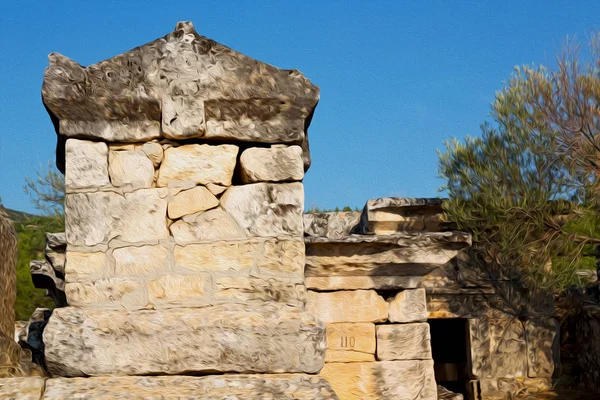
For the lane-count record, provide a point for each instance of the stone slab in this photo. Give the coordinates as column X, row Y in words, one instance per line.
column 348, row 306
column 334, row 225
column 328, row 283
column 130, row 169
column 403, row 342
column 215, row 387
column 350, row 342
column 229, row 338
column 210, row 225
column 385, row 380
column 27, row 388
column 191, row 201
column 408, row 306
column 86, row 165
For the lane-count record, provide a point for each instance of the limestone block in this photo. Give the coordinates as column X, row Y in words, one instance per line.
column 141, row 261
column 178, row 290
column 510, row 388
column 334, row 225
column 130, row 168
column 200, row 163
column 540, row 335
column 405, row 254
column 385, row 380
column 230, row 338
column 350, row 342
column 326, row 283
column 403, row 342
column 210, row 225
column 348, row 306
column 244, row 290
column 86, row 164
column 94, row 218
column 408, row 306
column 275, row 164
column 214, row 387
column 266, row 209
column 191, row 201
column 391, row 215
column 112, row 293
column 87, row 266
column 154, row 152
column 26, row 388
column 256, row 257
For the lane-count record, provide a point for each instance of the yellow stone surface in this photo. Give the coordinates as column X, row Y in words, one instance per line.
column 141, row 261
column 112, row 293
column 191, row 201
column 176, row 289
column 348, row 306
column 359, row 337
column 87, row 266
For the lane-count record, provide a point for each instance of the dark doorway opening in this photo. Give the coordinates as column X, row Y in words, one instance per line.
column 450, row 349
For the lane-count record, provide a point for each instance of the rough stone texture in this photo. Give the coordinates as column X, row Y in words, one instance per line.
column 216, row 387
column 144, row 261
column 275, row 164
column 129, row 96
column 334, row 225
column 266, row 209
column 29, row 388
column 232, row 338
column 408, row 306
column 540, row 335
column 213, row 224
column 327, row 283
column 403, row 342
column 132, row 169
column 94, row 218
column 87, row 266
column 385, row 380
column 87, row 165
column 56, row 246
column 348, row 306
column 199, row 163
column 191, row 201
column 507, row 388
column 216, row 189
column 43, row 276
column 111, row 293
column 445, row 394
column 350, row 342
column 390, row 215
column 154, row 152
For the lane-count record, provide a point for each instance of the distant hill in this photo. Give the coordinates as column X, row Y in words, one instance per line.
column 19, row 216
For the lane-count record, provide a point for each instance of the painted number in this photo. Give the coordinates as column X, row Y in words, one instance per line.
column 348, row 341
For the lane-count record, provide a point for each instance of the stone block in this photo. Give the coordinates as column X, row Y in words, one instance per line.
column 94, row 218
column 142, row 261
column 87, row 266
column 408, row 306
column 229, row 338
column 391, row 215
column 266, row 209
column 348, row 306
column 229, row 386
column 26, row 388
column 154, row 152
column 112, row 293
column 265, row 258
column 244, row 290
column 86, row 165
column 540, row 335
column 334, row 225
column 328, row 283
column 178, row 290
column 205, row 226
column 385, row 380
column 191, row 201
column 403, row 342
column 200, row 163
column 350, row 342
column 130, row 169
column 275, row 164
column 510, row 388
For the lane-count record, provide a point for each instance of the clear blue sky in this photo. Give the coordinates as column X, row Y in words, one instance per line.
column 397, row 78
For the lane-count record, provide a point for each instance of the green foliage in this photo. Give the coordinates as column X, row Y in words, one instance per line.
column 32, row 240
column 515, row 188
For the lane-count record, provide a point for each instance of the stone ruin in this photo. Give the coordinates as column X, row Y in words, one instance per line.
column 189, row 269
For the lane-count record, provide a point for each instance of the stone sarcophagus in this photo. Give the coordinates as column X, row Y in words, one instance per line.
column 183, row 163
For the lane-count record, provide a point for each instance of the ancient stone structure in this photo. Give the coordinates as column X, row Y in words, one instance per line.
column 188, row 268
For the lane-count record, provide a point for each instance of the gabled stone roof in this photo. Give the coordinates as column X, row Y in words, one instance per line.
column 180, row 86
